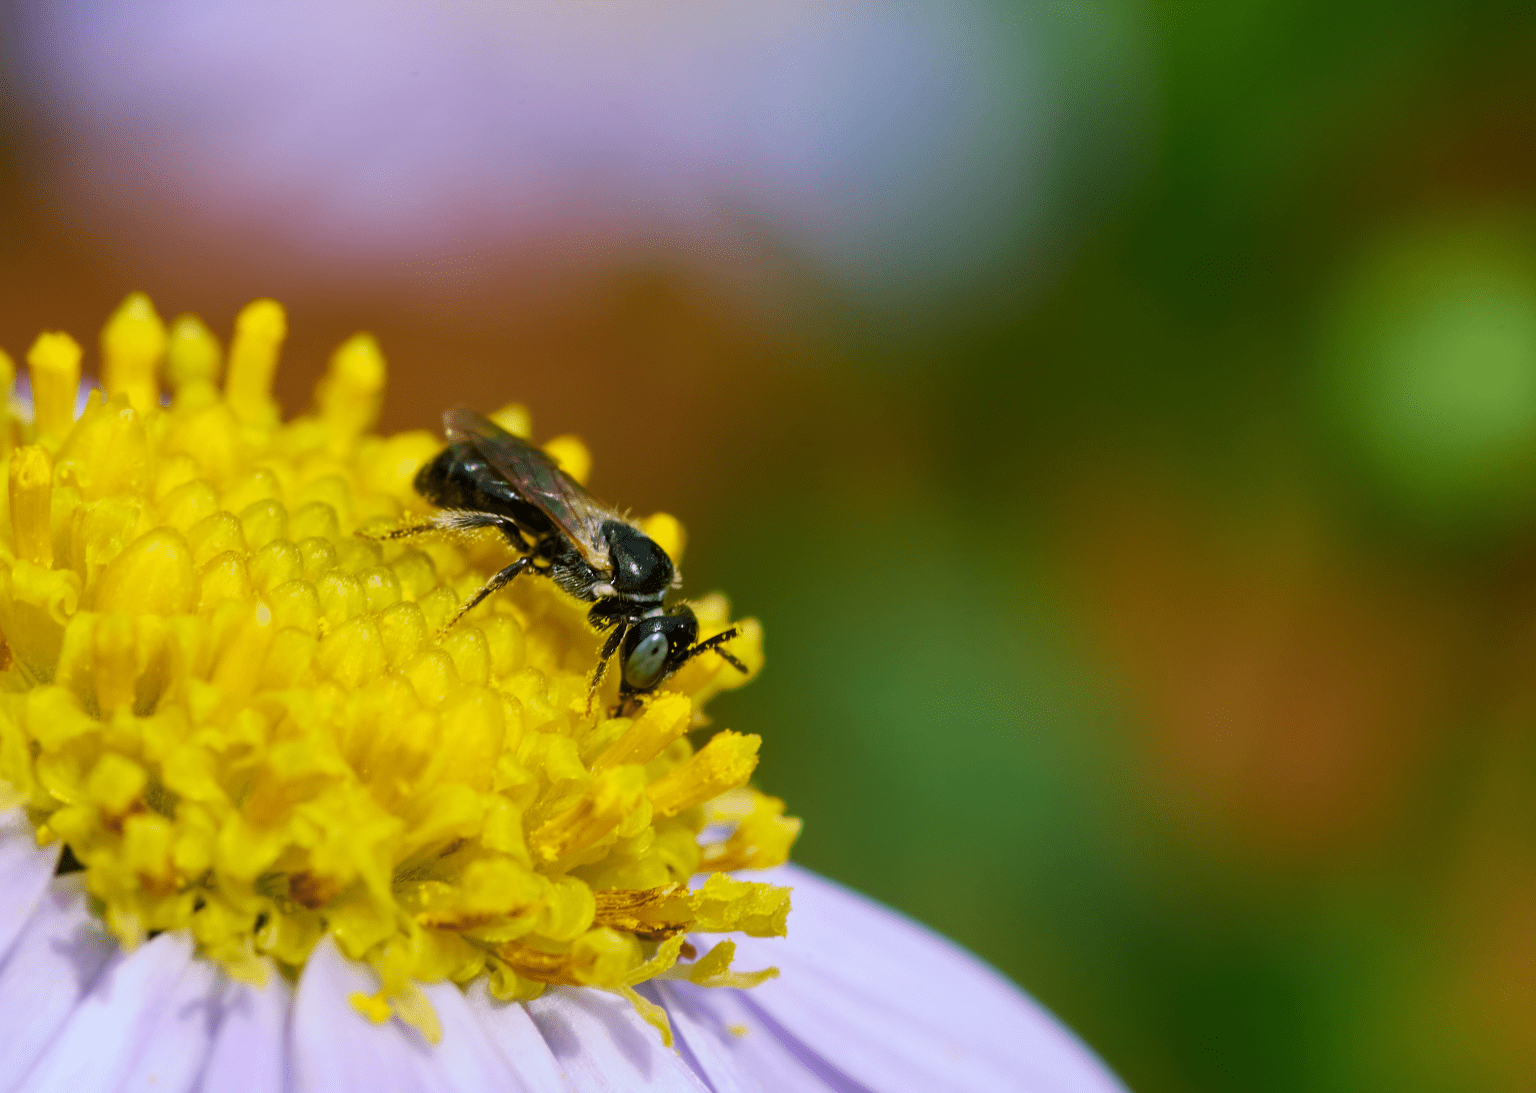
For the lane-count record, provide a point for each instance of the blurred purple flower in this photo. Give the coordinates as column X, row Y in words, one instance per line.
column 867, row 1001
column 892, row 143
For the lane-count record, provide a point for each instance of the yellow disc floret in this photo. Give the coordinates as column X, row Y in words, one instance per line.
column 247, row 720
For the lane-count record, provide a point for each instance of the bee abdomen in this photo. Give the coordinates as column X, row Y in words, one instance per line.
column 458, row 479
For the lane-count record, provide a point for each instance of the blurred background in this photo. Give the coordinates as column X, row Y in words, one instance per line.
column 1122, row 417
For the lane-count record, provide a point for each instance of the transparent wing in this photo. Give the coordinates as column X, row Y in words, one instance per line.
column 538, row 480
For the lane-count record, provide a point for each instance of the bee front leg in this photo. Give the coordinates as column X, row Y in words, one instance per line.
column 630, row 703
column 610, row 647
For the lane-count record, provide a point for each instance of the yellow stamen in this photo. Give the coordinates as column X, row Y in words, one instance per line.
column 613, row 796
column 668, row 534
column 132, row 343
column 713, row 969
column 351, row 392
column 726, row 762
column 7, row 391
column 192, row 354
column 571, row 455
column 375, row 1007
column 515, row 419
column 153, row 575
column 31, row 504
column 652, row 1014
column 664, row 720
column 720, row 904
column 259, row 332
column 54, row 361
column 116, row 649
column 761, row 840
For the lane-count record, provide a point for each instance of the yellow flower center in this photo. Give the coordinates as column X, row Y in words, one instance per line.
column 245, row 719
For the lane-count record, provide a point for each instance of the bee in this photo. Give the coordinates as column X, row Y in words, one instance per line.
column 486, row 477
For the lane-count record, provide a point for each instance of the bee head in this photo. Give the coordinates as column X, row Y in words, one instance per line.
column 640, row 567
column 654, row 646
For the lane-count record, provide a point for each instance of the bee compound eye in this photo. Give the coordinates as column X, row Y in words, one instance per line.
column 643, row 666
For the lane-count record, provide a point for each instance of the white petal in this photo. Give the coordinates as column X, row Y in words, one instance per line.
column 337, row 1049
column 735, row 1050
column 484, row 1046
column 894, row 1006
column 250, row 1048
column 601, row 1043
column 469, row 1058
column 25, row 869
column 508, row 1026
column 57, row 957
column 109, row 1028
column 174, row 1051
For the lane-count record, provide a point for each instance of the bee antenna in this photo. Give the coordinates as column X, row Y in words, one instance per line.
column 712, row 645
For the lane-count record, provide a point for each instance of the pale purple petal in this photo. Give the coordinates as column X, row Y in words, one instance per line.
column 732, row 1047
column 894, row 1006
column 602, row 1043
column 336, row 1049
column 25, row 869
column 896, row 140
column 508, row 1026
column 109, row 1028
column 250, row 1049
column 57, row 957
column 174, row 1051
column 868, row 1001
column 469, row 1059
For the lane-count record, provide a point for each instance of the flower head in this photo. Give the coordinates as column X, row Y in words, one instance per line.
column 274, row 824
column 248, row 721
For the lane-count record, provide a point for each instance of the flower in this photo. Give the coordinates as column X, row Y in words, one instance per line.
column 276, row 823
column 867, row 1000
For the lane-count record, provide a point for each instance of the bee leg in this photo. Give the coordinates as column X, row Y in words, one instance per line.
column 499, row 581
column 610, row 647
column 629, row 705
column 455, row 520
column 460, row 520
column 712, row 645
column 404, row 531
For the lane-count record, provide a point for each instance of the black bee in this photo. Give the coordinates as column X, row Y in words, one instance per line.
column 486, row 477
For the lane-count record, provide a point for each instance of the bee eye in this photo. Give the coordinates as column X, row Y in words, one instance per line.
column 644, row 664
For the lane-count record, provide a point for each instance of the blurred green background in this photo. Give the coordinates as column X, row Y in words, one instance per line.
column 1146, row 546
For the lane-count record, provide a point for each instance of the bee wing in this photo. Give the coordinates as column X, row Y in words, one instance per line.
column 538, row 480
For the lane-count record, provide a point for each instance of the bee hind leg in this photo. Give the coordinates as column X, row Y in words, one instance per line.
column 404, row 531
column 453, row 521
